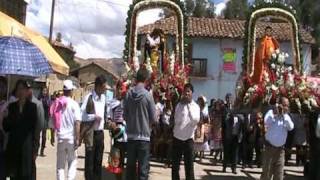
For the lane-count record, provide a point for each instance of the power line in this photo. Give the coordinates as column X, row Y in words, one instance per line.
column 110, row 2
column 83, row 38
column 88, row 6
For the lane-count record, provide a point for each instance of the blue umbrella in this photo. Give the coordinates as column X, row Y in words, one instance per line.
column 20, row 57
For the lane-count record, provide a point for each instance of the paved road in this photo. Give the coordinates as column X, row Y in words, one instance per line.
column 46, row 167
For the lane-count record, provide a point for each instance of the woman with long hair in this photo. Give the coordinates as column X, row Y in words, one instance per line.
column 20, row 125
column 3, row 114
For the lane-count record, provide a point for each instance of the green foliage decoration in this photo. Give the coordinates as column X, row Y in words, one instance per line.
column 248, row 42
column 126, row 54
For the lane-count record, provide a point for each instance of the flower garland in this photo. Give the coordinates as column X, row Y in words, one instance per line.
column 131, row 30
column 279, row 81
column 168, row 85
column 269, row 9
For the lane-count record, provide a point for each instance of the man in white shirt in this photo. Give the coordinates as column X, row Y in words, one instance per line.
column 187, row 116
column 94, row 109
column 68, row 133
column 278, row 123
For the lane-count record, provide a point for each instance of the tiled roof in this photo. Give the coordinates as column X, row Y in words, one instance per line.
column 224, row 28
column 113, row 66
column 60, row 44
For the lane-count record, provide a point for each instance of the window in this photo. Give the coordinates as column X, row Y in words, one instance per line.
column 199, row 67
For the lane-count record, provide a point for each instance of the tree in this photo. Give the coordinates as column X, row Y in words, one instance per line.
column 200, row 8
column 166, row 13
column 236, row 9
column 308, row 14
column 190, row 5
column 211, row 9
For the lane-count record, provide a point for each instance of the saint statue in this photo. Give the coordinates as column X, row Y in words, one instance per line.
column 155, row 49
column 266, row 48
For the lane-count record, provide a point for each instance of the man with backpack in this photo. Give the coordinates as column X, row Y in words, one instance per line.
column 93, row 117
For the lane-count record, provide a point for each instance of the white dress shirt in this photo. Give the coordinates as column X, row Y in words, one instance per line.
column 186, row 119
column 99, row 107
column 277, row 128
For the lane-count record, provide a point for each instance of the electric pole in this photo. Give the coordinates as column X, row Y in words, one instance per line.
column 51, row 20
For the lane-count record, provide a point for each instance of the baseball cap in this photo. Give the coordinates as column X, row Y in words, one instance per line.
column 68, row 85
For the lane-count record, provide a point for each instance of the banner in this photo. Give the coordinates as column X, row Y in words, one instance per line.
column 229, row 60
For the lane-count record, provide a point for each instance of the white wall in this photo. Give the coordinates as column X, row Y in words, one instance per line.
column 218, row 82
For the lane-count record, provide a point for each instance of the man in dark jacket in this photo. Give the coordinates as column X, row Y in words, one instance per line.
column 139, row 114
column 249, row 139
column 313, row 114
column 231, row 135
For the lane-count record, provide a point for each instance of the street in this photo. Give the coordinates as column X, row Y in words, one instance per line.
column 46, row 167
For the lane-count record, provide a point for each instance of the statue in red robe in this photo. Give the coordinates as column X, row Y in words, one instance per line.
column 267, row 46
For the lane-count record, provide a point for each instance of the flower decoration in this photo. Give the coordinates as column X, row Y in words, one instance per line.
column 279, row 80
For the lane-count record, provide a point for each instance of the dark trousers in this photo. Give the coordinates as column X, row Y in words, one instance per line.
column 138, row 151
column 258, row 148
column 21, row 178
column 122, row 148
column 2, row 156
column 248, row 154
column 34, row 170
column 184, row 148
column 43, row 140
column 94, row 156
column 230, row 149
column 314, row 165
column 301, row 154
column 2, row 165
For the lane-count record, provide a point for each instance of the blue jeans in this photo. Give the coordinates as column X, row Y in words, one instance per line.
column 138, row 151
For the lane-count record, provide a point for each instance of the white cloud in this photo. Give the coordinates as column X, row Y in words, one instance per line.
column 94, row 27
column 220, row 7
column 148, row 16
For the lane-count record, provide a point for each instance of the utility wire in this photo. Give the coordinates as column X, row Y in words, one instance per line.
column 83, row 38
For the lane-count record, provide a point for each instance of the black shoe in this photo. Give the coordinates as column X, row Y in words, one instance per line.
column 234, row 171
column 224, row 169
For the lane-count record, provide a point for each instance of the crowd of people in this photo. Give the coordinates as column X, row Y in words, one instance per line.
column 143, row 127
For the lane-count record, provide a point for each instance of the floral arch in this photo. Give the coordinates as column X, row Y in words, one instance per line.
column 132, row 30
column 280, row 14
column 166, row 84
column 276, row 78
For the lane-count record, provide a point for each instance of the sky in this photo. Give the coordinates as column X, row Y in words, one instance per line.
column 94, row 27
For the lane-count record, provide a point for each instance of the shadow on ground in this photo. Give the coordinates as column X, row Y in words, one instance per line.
column 217, row 177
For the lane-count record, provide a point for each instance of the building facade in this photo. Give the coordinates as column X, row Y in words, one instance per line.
column 216, row 50
column 214, row 80
column 17, row 9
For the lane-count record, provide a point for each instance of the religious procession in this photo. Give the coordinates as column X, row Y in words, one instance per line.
column 203, row 89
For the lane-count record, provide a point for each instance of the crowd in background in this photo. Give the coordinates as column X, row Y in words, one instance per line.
column 233, row 136
column 143, row 126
